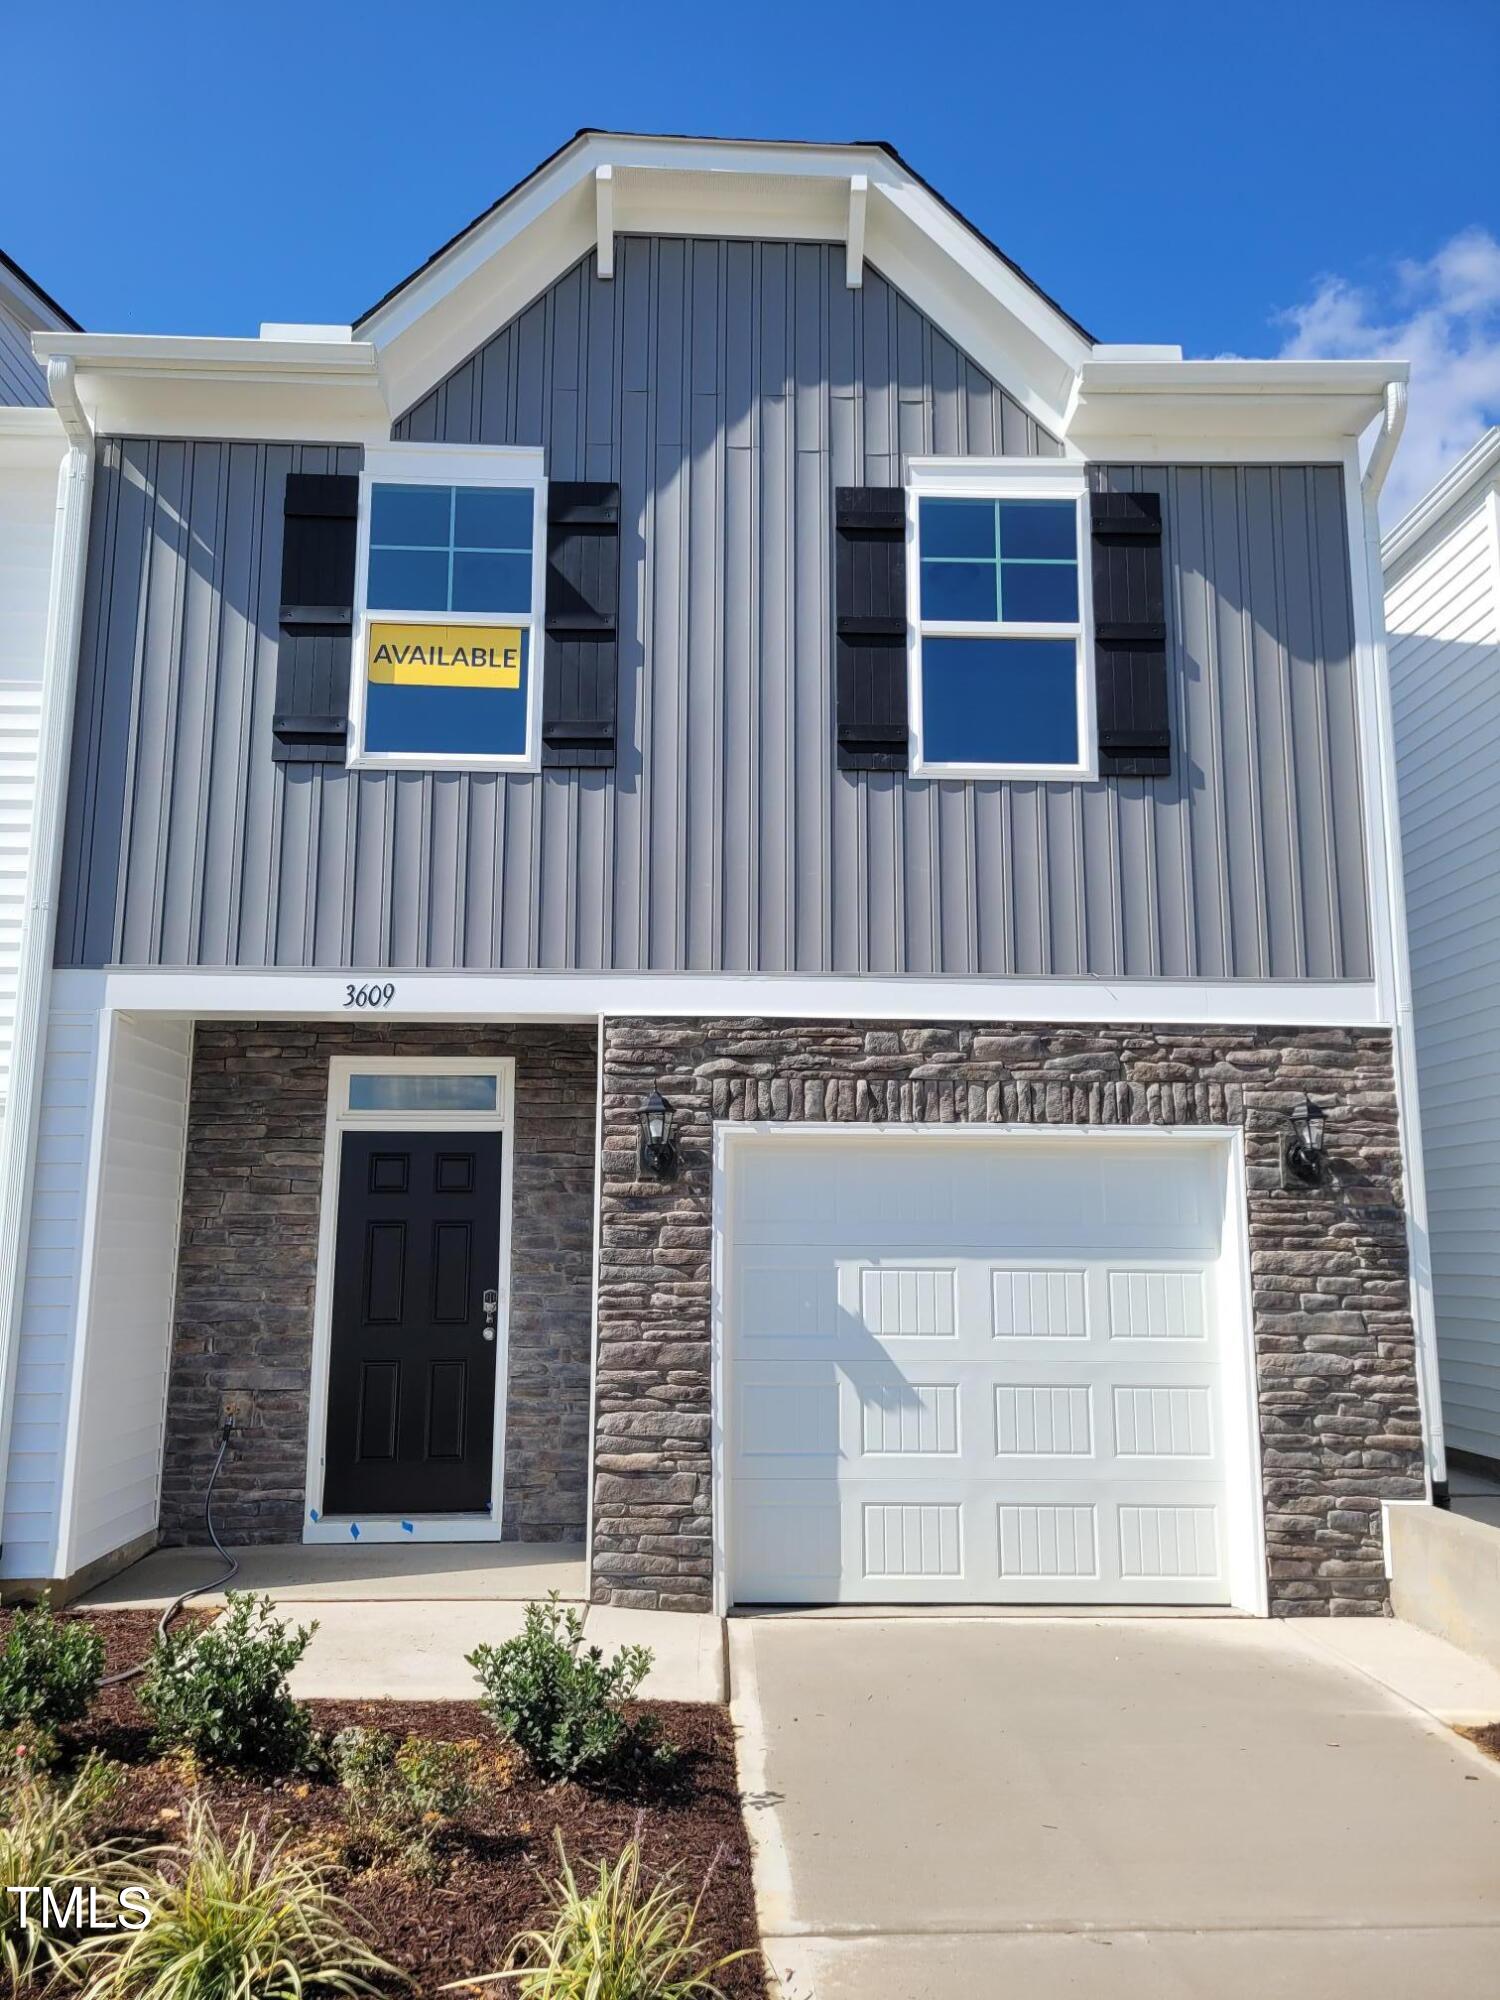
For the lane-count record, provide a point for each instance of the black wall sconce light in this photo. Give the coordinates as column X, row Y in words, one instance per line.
column 658, row 1147
column 1304, row 1163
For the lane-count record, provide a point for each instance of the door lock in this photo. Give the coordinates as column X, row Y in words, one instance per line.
column 491, row 1311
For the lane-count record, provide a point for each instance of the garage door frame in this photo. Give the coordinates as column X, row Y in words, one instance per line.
column 733, row 1142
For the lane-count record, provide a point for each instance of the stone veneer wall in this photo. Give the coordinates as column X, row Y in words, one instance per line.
column 248, row 1264
column 1339, row 1414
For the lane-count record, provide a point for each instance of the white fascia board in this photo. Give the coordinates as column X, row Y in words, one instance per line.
column 1175, row 404
column 1034, row 374
column 158, row 385
column 1454, row 491
column 246, row 993
column 692, row 187
column 224, row 358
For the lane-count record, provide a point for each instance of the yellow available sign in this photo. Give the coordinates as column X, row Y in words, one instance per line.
column 450, row 656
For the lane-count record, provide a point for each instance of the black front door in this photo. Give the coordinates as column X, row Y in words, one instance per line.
column 411, row 1373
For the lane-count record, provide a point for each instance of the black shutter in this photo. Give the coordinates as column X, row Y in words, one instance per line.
column 870, row 627
column 311, row 720
column 1130, row 636
column 582, row 619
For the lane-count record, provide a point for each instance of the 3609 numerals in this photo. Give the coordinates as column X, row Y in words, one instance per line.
column 376, row 994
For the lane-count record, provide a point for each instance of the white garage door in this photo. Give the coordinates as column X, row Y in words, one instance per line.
column 981, row 1370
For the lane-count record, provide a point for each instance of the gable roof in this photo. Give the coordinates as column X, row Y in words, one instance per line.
column 602, row 132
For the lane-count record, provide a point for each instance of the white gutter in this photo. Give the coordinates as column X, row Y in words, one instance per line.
column 1418, row 1241
column 18, row 1137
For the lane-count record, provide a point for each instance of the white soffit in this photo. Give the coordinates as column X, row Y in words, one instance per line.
column 191, row 386
column 1119, row 402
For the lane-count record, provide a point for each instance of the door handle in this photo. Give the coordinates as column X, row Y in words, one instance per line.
column 491, row 1311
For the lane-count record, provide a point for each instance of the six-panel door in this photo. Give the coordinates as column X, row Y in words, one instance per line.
column 974, row 1371
column 411, row 1380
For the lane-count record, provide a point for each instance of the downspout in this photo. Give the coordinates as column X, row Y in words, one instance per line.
column 18, row 1136
column 1418, row 1241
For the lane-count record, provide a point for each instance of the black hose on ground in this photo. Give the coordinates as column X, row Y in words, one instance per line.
column 230, row 1571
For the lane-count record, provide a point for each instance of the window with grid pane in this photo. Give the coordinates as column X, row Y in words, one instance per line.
column 1000, row 632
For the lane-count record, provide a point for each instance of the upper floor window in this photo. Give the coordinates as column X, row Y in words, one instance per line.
column 449, row 641
column 1000, row 685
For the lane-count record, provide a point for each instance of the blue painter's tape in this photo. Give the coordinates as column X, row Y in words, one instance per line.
column 312, row 1513
column 408, row 1528
column 354, row 1531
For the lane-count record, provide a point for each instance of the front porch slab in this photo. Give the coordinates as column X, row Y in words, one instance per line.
column 395, row 1621
column 390, row 1572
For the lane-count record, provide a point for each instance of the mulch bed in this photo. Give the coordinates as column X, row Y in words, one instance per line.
column 462, row 1924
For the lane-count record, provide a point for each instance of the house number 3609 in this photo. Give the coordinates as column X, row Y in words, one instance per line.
column 370, row 996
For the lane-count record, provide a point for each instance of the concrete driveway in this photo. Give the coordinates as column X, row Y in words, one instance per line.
column 1167, row 1807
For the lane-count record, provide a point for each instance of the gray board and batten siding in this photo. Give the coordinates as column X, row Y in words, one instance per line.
column 22, row 382
column 728, row 386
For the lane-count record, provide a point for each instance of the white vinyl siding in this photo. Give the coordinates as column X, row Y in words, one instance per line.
column 128, row 1308
column 28, row 496
column 1443, row 623
column 100, row 1268
column 54, row 1261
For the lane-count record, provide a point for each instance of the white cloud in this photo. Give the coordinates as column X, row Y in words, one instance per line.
column 1442, row 315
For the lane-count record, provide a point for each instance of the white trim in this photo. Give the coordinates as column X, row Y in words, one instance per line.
column 1454, row 490
column 1172, row 409
column 1246, row 1570
column 1000, row 479
column 854, row 233
column 517, row 466
column 34, row 977
column 734, row 188
column 88, row 1246
column 604, row 220
column 1387, row 895
column 339, row 1119
column 247, row 992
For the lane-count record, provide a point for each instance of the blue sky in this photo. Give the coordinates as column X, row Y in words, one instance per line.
column 1319, row 175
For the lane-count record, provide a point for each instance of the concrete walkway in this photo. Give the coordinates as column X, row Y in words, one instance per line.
column 396, row 1621
column 1163, row 1808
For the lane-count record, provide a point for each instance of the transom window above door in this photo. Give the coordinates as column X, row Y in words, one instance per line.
column 999, row 686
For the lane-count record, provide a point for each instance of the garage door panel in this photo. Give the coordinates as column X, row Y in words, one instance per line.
column 1007, row 1418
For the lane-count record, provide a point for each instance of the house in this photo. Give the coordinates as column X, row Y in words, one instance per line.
column 728, row 892
column 32, row 444
column 1442, row 586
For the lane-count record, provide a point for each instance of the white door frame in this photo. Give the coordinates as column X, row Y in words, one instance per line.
column 316, row 1525
column 1247, row 1578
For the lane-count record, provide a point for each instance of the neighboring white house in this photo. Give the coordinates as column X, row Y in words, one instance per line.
column 1442, row 583
column 31, row 447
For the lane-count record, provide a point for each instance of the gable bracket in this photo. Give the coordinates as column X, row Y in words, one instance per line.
column 854, row 255
column 604, row 219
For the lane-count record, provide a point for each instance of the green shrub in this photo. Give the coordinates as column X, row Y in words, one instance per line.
column 49, row 1669
column 615, row 1940
column 398, row 1797
column 222, row 1692
column 555, row 1698
column 43, row 1842
column 241, row 1922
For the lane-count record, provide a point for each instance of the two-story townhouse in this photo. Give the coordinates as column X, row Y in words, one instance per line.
column 32, row 444
column 726, row 891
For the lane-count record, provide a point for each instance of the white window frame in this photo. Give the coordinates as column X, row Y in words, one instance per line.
column 1000, row 479
column 316, row 1525
column 451, row 465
